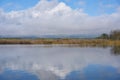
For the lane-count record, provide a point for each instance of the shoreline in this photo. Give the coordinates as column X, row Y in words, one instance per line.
column 78, row 42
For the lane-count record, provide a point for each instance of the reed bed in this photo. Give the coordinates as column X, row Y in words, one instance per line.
column 80, row 42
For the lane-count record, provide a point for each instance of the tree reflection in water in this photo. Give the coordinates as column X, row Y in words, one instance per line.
column 115, row 50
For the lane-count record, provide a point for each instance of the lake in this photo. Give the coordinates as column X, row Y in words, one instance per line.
column 57, row 62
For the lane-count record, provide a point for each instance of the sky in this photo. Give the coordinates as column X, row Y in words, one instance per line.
column 58, row 17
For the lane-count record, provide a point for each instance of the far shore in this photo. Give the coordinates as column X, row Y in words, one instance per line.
column 69, row 41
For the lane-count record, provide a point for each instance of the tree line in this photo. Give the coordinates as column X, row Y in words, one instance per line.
column 114, row 35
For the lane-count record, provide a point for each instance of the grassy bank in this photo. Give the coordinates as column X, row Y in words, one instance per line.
column 80, row 42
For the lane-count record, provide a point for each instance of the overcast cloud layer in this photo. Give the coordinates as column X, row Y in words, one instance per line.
column 53, row 18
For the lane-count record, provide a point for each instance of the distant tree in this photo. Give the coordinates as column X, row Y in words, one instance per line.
column 115, row 35
column 104, row 36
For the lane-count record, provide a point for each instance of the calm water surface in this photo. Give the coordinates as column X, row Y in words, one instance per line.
column 40, row 62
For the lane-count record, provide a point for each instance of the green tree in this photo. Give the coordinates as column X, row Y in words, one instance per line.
column 104, row 36
column 115, row 35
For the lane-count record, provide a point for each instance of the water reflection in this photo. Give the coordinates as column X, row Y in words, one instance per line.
column 95, row 72
column 16, row 75
column 115, row 50
column 59, row 63
column 91, row 72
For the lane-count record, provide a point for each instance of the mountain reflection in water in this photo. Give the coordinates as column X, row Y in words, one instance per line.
column 36, row 62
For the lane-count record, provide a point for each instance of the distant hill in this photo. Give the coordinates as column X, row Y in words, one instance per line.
column 50, row 36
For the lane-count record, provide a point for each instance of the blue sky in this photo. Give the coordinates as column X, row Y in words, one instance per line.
column 92, row 7
column 9, row 5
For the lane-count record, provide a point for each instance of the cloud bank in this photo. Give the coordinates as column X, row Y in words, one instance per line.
column 54, row 18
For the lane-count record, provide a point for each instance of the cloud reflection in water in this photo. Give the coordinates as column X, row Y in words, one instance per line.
column 61, row 63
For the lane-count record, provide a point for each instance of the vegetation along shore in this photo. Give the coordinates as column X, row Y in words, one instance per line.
column 112, row 39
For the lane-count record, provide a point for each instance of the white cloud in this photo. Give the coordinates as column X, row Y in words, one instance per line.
column 52, row 17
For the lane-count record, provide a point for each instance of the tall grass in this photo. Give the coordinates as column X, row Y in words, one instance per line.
column 80, row 42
